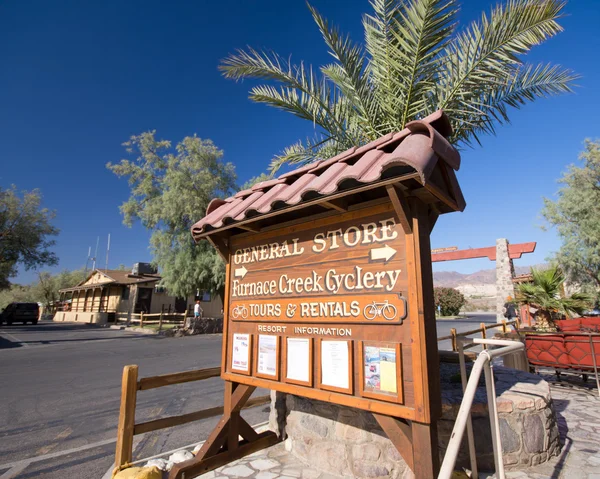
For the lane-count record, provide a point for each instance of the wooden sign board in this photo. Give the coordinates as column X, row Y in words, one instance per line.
column 333, row 309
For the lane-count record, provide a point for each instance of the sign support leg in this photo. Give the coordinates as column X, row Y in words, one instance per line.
column 426, row 455
column 223, row 444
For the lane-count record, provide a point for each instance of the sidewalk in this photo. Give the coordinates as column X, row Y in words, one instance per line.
column 578, row 413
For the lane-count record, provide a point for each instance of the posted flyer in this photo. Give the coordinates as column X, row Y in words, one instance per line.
column 334, row 364
column 380, row 369
column 298, row 359
column 241, row 349
column 267, row 355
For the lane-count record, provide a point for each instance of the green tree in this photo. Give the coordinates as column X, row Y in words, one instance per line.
column 25, row 231
column 448, row 300
column 576, row 216
column 17, row 293
column 254, row 180
column 545, row 293
column 46, row 289
column 170, row 190
column 414, row 61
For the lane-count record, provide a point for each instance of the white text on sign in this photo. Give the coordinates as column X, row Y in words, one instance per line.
column 366, row 233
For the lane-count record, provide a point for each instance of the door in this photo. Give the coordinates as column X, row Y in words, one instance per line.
column 144, row 300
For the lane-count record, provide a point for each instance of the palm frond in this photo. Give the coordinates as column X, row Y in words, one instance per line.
column 385, row 60
column 301, row 153
column 423, row 30
column 412, row 63
column 488, row 51
column 302, row 93
column 525, row 84
column 348, row 73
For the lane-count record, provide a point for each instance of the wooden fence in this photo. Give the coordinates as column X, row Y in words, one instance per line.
column 155, row 318
column 481, row 330
column 131, row 385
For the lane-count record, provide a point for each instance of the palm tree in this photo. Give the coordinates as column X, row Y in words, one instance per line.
column 545, row 293
column 414, row 61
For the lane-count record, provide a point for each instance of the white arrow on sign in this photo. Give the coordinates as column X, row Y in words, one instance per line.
column 385, row 253
column 240, row 272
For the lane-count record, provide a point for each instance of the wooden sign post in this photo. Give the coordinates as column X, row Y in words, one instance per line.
column 335, row 305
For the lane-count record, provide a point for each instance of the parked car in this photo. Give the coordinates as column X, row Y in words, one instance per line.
column 20, row 313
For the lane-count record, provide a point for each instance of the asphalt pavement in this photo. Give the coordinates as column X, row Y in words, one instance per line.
column 60, row 390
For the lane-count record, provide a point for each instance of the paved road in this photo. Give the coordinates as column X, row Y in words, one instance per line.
column 59, row 392
column 472, row 321
column 60, row 387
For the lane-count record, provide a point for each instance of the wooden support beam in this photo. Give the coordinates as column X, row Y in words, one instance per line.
column 399, row 202
column 234, row 415
column 219, row 244
column 251, row 228
column 443, row 197
column 239, row 397
column 425, row 446
column 433, row 216
column 194, row 467
column 246, row 430
column 400, row 434
column 340, row 205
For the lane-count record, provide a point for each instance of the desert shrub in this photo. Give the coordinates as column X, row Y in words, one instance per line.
column 448, row 300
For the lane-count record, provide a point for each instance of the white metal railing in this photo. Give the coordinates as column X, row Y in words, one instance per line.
column 463, row 419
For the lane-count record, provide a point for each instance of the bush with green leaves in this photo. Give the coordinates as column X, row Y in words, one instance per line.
column 448, row 300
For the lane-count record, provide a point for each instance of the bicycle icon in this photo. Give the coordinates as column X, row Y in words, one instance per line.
column 385, row 309
column 239, row 311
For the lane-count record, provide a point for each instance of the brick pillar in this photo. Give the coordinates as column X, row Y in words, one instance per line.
column 505, row 272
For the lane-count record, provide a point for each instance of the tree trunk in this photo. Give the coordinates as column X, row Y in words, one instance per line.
column 544, row 321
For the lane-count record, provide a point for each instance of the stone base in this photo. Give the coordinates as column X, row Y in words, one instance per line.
column 349, row 442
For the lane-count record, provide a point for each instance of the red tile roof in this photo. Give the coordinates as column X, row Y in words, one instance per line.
column 416, row 149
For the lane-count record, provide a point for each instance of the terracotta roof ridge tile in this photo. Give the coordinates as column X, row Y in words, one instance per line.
column 417, row 147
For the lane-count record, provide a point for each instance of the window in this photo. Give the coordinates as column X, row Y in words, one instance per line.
column 125, row 294
column 205, row 297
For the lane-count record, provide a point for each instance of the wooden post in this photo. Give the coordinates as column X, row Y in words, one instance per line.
column 453, row 333
column 141, row 319
column 483, row 333
column 504, row 326
column 425, row 446
column 160, row 320
column 124, row 450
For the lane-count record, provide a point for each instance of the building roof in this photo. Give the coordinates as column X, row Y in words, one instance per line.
column 420, row 155
column 116, row 277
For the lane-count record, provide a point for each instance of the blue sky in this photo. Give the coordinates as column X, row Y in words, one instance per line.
column 78, row 78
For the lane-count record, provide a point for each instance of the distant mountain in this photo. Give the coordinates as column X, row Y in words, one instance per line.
column 453, row 279
column 479, row 288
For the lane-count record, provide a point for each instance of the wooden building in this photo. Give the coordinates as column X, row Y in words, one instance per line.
column 106, row 294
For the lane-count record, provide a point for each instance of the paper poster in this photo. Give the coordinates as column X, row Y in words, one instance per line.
column 334, row 364
column 380, row 369
column 241, row 349
column 267, row 355
column 298, row 359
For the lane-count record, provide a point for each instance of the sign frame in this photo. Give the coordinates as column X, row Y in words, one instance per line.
column 420, row 319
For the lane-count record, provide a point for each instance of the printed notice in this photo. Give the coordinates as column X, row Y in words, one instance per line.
column 334, row 364
column 298, row 359
column 241, row 349
column 267, row 355
column 380, row 369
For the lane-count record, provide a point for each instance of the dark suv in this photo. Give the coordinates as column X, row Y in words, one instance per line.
column 20, row 313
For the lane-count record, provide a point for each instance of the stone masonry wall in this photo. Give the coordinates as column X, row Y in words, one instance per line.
column 348, row 442
column 505, row 272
